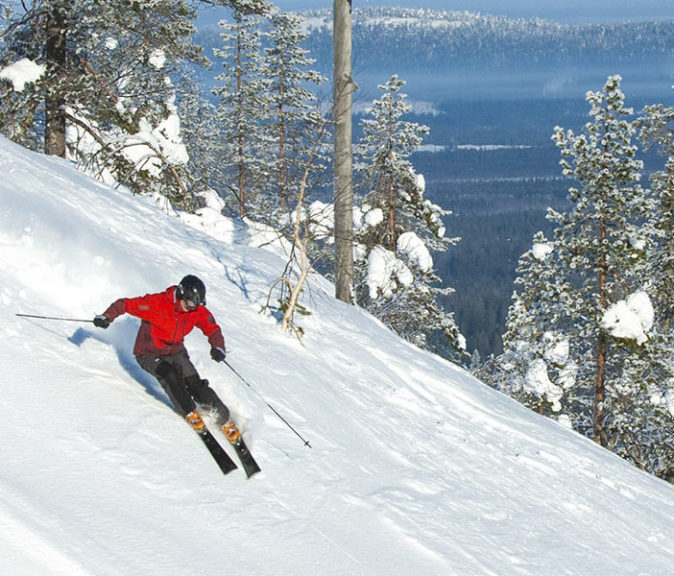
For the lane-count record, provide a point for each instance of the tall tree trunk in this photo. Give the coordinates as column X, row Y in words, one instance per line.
column 241, row 168
column 283, row 194
column 343, row 85
column 390, row 188
column 602, row 346
column 55, row 53
column 599, row 391
column 391, row 201
column 668, row 208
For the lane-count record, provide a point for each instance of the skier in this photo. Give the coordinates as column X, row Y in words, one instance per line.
column 166, row 318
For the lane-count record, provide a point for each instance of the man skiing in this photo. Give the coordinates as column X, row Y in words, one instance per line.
column 166, row 318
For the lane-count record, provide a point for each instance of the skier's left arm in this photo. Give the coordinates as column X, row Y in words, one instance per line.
column 207, row 324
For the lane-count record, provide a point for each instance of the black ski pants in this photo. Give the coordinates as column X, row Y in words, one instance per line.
column 181, row 381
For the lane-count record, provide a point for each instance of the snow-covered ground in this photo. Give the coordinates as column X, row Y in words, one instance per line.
column 416, row 468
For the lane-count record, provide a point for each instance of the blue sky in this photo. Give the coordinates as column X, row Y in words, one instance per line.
column 559, row 10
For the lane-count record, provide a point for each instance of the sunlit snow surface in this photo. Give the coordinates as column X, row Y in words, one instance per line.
column 415, row 468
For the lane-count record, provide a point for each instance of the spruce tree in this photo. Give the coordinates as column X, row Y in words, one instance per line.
column 202, row 133
column 105, row 84
column 656, row 133
column 567, row 348
column 536, row 366
column 395, row 279
column 107, row 97
column 602, row 241
column 296, row 121
column 657, row 369
column 244, row 107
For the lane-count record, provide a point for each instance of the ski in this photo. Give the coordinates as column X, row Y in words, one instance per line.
column 248, row 463
column 221, row 457
column 233, row 435
column 218, row 452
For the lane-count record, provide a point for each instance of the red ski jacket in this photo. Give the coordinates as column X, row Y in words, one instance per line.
column 164, row 323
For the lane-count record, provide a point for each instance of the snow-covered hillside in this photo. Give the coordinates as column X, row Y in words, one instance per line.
column 415, row 468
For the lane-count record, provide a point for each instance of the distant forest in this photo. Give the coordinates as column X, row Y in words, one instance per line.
column 498, row 198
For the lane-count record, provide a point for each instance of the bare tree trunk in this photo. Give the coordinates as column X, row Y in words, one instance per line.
column 299, row 243
column 390, row 189
column 281, row 146
column 598, row 433
column 391, row 216
column 668, row 208
column 241, row 169
column 599, row 392
column 343, row 85
column 602, row 348
column 390, row 195
column 55, row 53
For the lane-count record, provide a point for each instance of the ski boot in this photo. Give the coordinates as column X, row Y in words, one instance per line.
column 196, row 421
column 231, row 432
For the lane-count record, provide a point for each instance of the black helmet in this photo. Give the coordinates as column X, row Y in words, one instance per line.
column 192, row 290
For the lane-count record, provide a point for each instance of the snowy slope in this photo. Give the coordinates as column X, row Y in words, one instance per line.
column 415, row 468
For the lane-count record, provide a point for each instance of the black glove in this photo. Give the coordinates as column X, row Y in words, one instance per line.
column 101, row 321
column 218, row 354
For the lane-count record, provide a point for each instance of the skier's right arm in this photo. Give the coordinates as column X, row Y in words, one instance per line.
column 140, row 307
column 117, row 308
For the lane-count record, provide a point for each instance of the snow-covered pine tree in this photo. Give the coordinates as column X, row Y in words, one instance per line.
column 104, row 98
column 295, row 134
column 567, row 329
column 259, row 7
column 602, row 242
column 244, row 108
column 296, row 121
column 657, row 369
column 394, row 273
column 656, row 132
column 202, row 134
column 536, row 366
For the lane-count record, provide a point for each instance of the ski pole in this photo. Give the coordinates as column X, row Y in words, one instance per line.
column 52, row 318
column 306, row 442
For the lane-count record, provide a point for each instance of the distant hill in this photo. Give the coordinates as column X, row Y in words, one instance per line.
column 438, row 51
column 431, row 39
